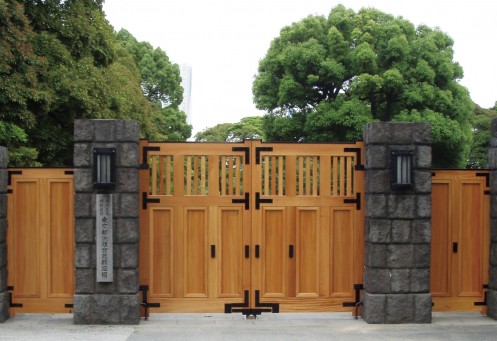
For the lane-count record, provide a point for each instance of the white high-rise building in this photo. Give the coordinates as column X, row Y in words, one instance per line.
column 186, row 83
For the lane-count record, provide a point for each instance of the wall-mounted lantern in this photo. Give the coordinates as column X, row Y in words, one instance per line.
column 401, row 169
column 104, row 168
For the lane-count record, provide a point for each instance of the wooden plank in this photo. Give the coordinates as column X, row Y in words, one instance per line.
column 342, row 176
column 155, row 160
column 267, row 169
column 301, row 175
column 196, row 175
column 281, row 175
column 238, row 174
column 188, row 175
column 161, row 175
column 307, row 252
column 274, row 175
column 350, row 173
column 341, row 247
column 230, row 175
column 203, row 170
column 315, row 175
column 195, row 241
column 334, row 184
column 230, row 255
column 161, row 252
column 223, row 175
column 274, row 250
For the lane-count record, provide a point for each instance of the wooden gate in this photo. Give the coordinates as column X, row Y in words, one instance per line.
column 41, row 239
column 251, row 226
column 460, row 239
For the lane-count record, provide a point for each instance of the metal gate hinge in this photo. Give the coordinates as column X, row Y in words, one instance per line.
column 247, row 153
column 146, row 200
column 258, row 151
column 12, row 304
column 259, row 201
column 245, row 201
column 145, row 303
column 356, row 201
column 358, row 151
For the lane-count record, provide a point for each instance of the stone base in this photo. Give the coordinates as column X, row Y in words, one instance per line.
column 492, row 303
column 107, row 309
column 4, row 306
column 397, row 308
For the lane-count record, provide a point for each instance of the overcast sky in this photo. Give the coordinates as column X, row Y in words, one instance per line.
column 223, row 41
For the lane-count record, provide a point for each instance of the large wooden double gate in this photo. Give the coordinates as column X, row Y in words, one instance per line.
column 251, row 226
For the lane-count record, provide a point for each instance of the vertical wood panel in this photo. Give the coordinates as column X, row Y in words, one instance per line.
column 230, row 254
column 196, row 252
column 440, row 239
column 342, row 252
column 273, row 251
column 26, row 238
column 161, row 251
column 307, row 252
column 61, row 239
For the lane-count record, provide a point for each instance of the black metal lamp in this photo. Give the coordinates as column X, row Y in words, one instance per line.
column 401, row 169
column 104, row 168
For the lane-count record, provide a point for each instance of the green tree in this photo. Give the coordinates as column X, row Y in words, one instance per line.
column 161, row 84
column 247, row 128
column 481, row 122
column 323, row 78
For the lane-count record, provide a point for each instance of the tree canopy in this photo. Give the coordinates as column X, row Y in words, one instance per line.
column 323, row 78
column 481, row 121
column 247, row 128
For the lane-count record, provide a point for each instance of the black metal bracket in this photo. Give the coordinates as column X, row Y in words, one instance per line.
column 147, row 149
column 356, row 201
column 69, row 305
column 275, row 307
column 146, row 200
column 358, row 151
column 358, row 302
column 486, row 192
column 237, row 307
column 12, row 304
column 68, row 172
column 258, row 151
column 9, row 175
column 245, row 201
column 484, row 303
column 487, row 178
column 245, row 309
column 145, row 303
column 259, row 201
column 247, row 153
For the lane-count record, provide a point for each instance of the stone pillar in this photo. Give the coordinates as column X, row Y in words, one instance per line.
column 116, row 302
column 398, row 226
column 4, row 294
column 492, row 279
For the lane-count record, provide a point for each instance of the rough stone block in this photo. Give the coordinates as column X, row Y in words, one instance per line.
column 3, row 180
column 127, row 131
column 83, row 205
column 3, row 255
column 492, row 157
column 82, row 155
column 399, row 308
column 422, row 181
column 421, row 133
column 377, row 181
column 105, row 130
column 423, row 205
column 107, row 287
column 375, row 255
column 84, row 230
column 85, row 281
column 492, row 280
column 81, row 309
column 376, row 157
column 3, row 230
column 106, row 309
column 128, row 155
column 422, row 308
column 377, row 133
column 493, row 182
column 421, row 232
column 400, row 256
column 401, row 231
column 83, row 180
column 401, row 206
column 374, row 308
column 401, row 281
column 376, row 281
column 493, row 206
column 3, row 279
column 130, row 309
column 4, row 306
column 401, row 132
column 127, row 231
column 420, row 280
column 376, row 206
column 127, row 281
column 4, row 157
column 3, row 205
column 126, row 205
column 82, row 257
column 422, row 256
column 423, row 157
column 129, row 256
column 378, row 230
column 493, row 254
column 492, row 303
column 83, row 130
column 127, row 180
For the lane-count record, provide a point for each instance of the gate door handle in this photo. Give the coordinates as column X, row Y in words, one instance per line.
column 213, row 251
column 454, row 247
column 247, row 251
column 257, row 251
column 290, row 251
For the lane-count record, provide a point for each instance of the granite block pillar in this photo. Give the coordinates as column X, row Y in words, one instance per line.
column 492, row 280
column 116, row 301
column 398, row 226
column 4, row 294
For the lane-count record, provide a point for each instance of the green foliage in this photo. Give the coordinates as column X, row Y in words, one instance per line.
column 247, row 128
column 323, row 78
column 481, row 122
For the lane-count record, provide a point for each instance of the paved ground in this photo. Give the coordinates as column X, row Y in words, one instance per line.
column 333, row 326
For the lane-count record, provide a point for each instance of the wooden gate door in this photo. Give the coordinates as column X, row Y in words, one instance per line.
column 460, row 239
column 251, row 226
column 41, row 239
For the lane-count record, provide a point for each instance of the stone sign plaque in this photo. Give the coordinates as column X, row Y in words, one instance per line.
column 104, row 238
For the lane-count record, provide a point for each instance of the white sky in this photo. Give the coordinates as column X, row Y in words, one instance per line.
column 223, row 41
